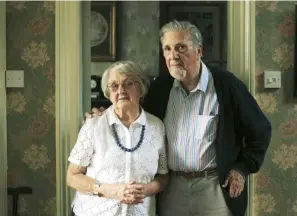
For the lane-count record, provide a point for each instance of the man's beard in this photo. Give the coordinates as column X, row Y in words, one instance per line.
column 178, row 73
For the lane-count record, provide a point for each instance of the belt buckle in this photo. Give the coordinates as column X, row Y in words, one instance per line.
column 210, row 172
column 189, row 176
column 206, row 174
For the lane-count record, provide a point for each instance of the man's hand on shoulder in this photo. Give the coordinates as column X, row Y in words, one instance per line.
column 95, row 112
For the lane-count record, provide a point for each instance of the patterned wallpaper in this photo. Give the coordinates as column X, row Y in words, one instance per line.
column 31, row 110
column 275, row 185
column 31, row 114
column 139, row 36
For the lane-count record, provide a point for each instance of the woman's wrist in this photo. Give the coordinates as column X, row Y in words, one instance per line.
column 101, row 190
column 151, row 188
column 157, row 185
column 114, row 191
column 96, row 186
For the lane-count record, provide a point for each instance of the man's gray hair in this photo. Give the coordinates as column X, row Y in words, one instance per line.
column 126, row 68
column 182, row 26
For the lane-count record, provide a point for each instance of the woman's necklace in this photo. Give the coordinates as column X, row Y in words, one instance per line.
column 123, row 147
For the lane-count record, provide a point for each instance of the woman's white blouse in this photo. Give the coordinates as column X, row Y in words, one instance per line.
column 97, row 149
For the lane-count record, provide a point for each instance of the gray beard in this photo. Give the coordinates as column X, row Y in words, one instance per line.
column 178, row 74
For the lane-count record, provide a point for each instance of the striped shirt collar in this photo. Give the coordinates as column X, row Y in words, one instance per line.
column 112, row 118
column 203, row 82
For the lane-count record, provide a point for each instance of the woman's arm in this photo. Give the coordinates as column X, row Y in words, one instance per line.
column 77, row 179
column 161, row 178
column 80, row 158
column 135, row 193
column 157, row 185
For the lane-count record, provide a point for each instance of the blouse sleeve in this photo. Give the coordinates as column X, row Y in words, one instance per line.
column 162, row 164
column 83, row 150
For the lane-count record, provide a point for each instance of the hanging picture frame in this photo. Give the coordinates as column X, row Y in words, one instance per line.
column 103, row 31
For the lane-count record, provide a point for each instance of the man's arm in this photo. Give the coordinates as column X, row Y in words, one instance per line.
column 253, row 125
column 155, row 102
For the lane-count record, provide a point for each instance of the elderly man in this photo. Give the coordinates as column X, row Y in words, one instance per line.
column 217, row 134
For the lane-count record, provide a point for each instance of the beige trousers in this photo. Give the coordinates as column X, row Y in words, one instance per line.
column 195, row 197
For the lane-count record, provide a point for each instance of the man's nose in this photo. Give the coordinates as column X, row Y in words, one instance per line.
column 173, row 55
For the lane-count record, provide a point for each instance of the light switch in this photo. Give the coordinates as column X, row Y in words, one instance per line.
column 14, row 78
column 272, row 79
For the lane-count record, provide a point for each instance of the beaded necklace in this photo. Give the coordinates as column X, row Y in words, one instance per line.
column 123, row 147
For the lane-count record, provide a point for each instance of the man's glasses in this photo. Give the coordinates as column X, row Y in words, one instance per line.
column 126, row 85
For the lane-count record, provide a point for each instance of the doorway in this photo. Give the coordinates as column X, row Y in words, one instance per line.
column 240, row 60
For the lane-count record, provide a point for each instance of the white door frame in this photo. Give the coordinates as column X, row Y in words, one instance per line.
column 69, row 90
column 241, row 61
column 241, row 48
column 3, row 116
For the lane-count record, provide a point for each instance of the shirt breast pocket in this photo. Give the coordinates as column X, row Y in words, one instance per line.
column 205, row 127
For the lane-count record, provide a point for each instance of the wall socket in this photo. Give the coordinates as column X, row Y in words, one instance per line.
column 272, row 79
column 14, row 78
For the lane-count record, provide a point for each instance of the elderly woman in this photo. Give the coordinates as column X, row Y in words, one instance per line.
column 119, row 162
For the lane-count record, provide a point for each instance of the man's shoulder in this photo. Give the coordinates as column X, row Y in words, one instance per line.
column 221, row 73
column 96, row 119
column 225, row 76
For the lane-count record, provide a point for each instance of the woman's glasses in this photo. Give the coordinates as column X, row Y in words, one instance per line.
column 126, row 85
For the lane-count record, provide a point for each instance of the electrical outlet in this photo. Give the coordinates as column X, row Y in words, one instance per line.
column 14, row 78
column 272, row 79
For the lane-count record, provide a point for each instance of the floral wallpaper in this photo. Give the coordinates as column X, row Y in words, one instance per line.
column 31, row 110
column 275, row 184
column 139, row 36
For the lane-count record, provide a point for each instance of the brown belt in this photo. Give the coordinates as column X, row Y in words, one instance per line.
column 195, row 174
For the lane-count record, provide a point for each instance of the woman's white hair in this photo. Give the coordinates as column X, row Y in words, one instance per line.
column 126, row 68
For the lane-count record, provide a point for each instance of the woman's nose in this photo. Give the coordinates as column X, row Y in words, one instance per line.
column 121, row 89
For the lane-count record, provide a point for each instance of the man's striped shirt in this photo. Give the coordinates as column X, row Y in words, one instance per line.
column 191, row 125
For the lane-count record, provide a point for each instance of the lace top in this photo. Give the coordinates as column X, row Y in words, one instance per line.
column 97, row 149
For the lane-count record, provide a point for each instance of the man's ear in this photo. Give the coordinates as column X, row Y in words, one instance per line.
column 199, row 49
